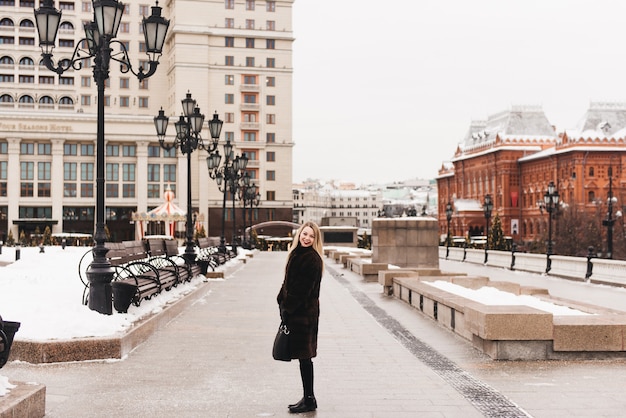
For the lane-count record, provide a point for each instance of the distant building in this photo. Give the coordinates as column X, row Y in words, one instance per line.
column 515, row 154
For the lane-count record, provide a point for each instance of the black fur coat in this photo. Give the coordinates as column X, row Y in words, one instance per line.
column 298, row 300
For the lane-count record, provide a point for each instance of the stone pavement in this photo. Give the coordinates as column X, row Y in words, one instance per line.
column 378, row 357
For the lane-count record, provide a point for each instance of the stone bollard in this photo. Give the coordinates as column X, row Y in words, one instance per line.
column 42, row 249
column 18, row 252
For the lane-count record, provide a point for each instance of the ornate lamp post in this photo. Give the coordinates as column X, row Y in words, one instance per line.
column 550, row 200
column 448, row 218
column 248, row 197
column 99, row 40
column 227, row 177
column 188, row 139
column 487, row 208
column 609, row 221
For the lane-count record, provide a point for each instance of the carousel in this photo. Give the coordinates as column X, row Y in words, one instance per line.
column 162, row 220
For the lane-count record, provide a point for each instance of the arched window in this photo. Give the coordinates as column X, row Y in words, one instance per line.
column 27, row 61
column 27, row 23
column 591, row 196
column 66, row 26
column 66, row 100
column 6, row 60
column 26, row 99
column 47, row 100
column 6, row 22
column 5, row 98
column 590, row 171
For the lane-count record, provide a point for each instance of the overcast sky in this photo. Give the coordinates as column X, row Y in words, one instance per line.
column 384, row 91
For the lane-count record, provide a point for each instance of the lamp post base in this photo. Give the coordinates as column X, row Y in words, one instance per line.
column 100, row 294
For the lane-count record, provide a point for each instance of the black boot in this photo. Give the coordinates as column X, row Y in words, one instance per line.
column 307, row 404
column 297, row 403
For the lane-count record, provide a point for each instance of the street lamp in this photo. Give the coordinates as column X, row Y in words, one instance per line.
column 550, row 200
column 99, row 38
column 448, row 218
column 609, row 221
column 188, row 139
column 227, row 177
column 487, row 208
column 249, row 197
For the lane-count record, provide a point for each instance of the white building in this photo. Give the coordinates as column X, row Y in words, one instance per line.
column 313, row 204
column 233, row 56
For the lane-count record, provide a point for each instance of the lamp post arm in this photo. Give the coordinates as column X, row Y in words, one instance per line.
column 74, row 63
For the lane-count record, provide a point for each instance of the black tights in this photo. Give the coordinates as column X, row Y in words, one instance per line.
column 306, row 373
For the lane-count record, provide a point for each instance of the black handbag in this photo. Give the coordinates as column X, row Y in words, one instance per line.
column 281, row 350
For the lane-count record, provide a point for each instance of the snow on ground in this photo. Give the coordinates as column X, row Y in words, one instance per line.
column 492, row 296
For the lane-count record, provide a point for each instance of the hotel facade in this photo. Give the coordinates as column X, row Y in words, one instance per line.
column 233, row 56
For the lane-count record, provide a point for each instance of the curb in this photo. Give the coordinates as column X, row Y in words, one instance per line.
column 101, row 348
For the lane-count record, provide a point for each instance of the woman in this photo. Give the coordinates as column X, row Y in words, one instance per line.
column 298, row 301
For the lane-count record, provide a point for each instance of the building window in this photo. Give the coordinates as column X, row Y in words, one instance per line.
column 154, row 151
column 124, row 83
column 270, row 63
column 249, row 42
column 113, row 150
column 45, row 79
column 44, row 170
column 270, row 195
column 249, row 23
column 124, row 101
column 229, row 136
column 270, row 100
column 229, row 98
column 270, row 25
column 229, row 117
column 69, row 189
column 270, row 156
column 154, row 172
column 270, row 137
column 44, row 149
column 249, row 136
column 112, row 190
column 270, row 6
column 229, row 4
column 270, row 44
column 229, row 60
column 66, row 43
column 27, row 148
column 27, row 79
column 249, row 62
column 128, row 190
column 249, row 4
column 144, row 102
column 270, row 119
column 112, row 172
column 43, row 190
column 129, row 150
column 249, row 79
column 229, row 42
column 69, row 171
column 26, row 189
column 153, row 190
column 86, row 149
column 169, row 173
column 86, row 190
column 229, row 80
column 128, row 172
column 249, row 98
column 85, row 100
column 66, row 81
column 270, row 175
column 229, row 22
column 143, row 84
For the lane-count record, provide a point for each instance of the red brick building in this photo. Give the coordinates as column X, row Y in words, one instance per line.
column 515, row 154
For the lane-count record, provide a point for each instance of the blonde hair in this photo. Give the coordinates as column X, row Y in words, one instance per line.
column 317, row 242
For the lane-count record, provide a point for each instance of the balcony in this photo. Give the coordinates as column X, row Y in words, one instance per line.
column 250, row 106
column 249, row 87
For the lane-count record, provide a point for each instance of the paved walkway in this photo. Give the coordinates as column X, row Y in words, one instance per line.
column 377, row 358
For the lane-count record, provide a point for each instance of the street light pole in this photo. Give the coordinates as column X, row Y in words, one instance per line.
column 609, row 221
column 99, row 38
column 188, row 139
column 227, row 177
column 487, row 208
column 448, row 218
column 551, row 200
